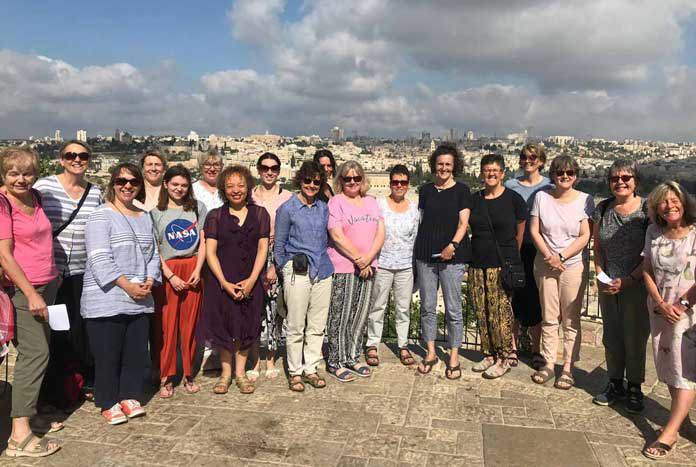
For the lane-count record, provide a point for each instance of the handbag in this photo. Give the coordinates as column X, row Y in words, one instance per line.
column 511, row 273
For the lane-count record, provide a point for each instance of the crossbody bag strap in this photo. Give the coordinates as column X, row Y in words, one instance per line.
column 73, row 215
column 490, row 226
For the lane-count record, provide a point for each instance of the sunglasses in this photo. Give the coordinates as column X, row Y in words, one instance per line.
column 125, row 181
column 399, row 183
column 315, row 182
column 71, row 156
column 529, row 158
column 623, row 178
column 567, row 173
column 272, row 168
column 356, row 179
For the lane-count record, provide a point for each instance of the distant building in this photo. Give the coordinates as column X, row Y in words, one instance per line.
column 562, row 140
column 336, row 134
column 452, row 135
column 81, row 135
column 118, row 134
column 193, row 137
column 56, row 137
column 469, row 135
column 425, row 136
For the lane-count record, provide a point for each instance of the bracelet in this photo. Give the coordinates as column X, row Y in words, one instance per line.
column 170, row 276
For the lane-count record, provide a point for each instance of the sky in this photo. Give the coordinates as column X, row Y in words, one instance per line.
column 394, row 68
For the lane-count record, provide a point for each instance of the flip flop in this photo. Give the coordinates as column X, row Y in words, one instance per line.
column 428, row 366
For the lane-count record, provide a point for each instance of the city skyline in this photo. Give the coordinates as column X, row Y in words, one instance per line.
column 612, row 70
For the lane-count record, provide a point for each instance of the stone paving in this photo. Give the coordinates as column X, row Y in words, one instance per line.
column 395, row 418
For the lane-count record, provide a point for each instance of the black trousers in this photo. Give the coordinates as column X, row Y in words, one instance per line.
column 119, row 346
column 69, row 350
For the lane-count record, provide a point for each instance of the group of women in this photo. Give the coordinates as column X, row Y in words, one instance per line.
column 235, row 266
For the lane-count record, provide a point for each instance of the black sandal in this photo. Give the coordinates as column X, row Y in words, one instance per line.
column 315, row 381
column 538, row 361
column 295, row 383
column 512, row 359
column 451, row 369
column 406, row 357
column 372, row 356
column 428, row 366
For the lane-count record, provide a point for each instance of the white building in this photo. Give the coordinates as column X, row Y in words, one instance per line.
column 336, row 134
column 56, row 136
column 562, row 140
column 82, row 135
column 193, row 137
column 469, row 135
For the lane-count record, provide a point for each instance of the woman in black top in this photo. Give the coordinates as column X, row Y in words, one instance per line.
column 441, row 251
column 506, row 212
column 326, row 161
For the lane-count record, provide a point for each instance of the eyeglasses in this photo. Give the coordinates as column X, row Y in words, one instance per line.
column 399, row 183
column 121, row 181
column 315, row 182
column 567, row 173
column 71, row 156
column 212, row 166
column 529, row 158
column 356, row 179
column 623, row 178
column 272, row 168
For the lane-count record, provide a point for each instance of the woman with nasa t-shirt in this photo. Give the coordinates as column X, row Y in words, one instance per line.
column 178, row 224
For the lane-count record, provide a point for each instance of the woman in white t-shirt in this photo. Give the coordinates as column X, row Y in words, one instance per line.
column 560, row 229
column 205, row 190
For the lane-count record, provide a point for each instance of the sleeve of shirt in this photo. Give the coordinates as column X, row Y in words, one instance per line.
column 202, row 214
column 282, row 232
column 589, row 206
column 5, row 219
column 649, row 235
column 421, row 198
column 535, row 204
column 264, row 223
column 377, row 209
column 520, row 207
column 210, row 225
column 154, row 268
column 335, row 214
column 100, row 257
column 596, row 214
column 155, row 216
column 464, row 197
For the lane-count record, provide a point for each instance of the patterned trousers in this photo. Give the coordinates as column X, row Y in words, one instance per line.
column 493, row 310
column 350, row 304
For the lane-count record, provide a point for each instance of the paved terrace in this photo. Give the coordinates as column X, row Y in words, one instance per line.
column 395, row 418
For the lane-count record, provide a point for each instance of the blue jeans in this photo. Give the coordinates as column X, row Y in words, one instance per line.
column 449, row 276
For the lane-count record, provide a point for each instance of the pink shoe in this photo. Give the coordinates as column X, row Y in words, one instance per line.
column 132, row 408
column 114, row 415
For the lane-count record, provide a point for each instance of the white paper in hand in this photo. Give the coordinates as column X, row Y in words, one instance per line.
column 58, row 318
column 603, row 278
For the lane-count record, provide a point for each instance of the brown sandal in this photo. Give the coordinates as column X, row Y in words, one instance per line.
column 543, row 375
column 315, row 381
column 371, row 356
column 565, row 381
column 295, row 383
column 406, row 357
column 223, row 385
column 244, row 385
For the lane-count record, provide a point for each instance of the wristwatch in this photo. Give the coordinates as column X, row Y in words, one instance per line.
column 454, row 244
column 561, row 257
column 685, row 303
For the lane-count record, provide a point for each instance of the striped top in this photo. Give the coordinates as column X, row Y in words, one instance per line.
column 112, row 251
column 69, row 246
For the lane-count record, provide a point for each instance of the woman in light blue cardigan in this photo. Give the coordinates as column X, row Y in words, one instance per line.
column 122, row 266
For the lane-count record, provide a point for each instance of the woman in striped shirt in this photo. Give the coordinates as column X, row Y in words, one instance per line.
column 68, row 200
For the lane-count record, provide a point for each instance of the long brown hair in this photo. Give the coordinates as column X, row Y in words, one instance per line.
column 189, row 202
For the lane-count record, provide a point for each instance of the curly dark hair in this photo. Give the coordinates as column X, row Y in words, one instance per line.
column 448, row 149
column 325, row 153
column 308, row 169
column 240, row 170
column 400, row 169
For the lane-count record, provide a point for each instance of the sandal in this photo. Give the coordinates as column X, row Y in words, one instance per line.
column 295, row 383
column 222, row 385
column 512, row 359
column 315, row 381
column 484, row 364
column 427, row 366
column 361, row 370
column 543, row 375
column 343, row 375
column 371, row 356
column 406, row 357
column 538, row 361
column 663, row 449
column 565, row 381
column 190, row 387
column 496, row 371
column 451, row 369
column 55, row 426
column 166, row 390
column 22, row 449
column 252, row 375
column 244, row 385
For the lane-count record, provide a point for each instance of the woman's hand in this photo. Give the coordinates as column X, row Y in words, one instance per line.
column 554, row 262
column 233, row 290
column 271, row 275
column 194, row 278
column 366, row 273
column 362, row 262
column 447, row 253
column 37, row 306
column 246, row 286
column 177, row 283
column 136, row 291
column 671, row 313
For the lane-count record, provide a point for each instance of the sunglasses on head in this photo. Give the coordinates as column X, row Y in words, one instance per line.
column 623, row 178
column 121, row 181
column 272, row 168
column 315, row 182
column 567, row 173
column 356, row 179
column 71, row 156
column 528, row 158
column 399, row 183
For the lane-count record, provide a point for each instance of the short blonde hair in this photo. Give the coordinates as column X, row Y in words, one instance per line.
column 19, row 157
column 659, row 194
column 209, row 156
column 343, row 170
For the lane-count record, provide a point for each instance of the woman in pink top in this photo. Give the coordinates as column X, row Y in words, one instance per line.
column 26, row 256
column 560, row 229
column 356, row 228
column 270, row 195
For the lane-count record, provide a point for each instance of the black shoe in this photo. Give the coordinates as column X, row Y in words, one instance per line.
column 613, row 392
column 634, row 402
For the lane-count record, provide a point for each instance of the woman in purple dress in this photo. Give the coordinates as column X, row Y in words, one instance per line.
column 233, row 298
